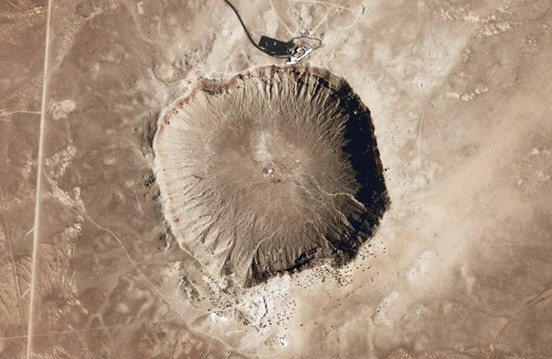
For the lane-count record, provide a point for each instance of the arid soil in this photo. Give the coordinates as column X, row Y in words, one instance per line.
column 459, row 98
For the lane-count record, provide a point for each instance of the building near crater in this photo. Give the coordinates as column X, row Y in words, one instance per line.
column 274, row 170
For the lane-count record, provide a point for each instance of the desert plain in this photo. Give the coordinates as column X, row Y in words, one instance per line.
column 460, row 265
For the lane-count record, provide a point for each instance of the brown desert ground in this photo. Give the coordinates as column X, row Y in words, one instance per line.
column 109, row 108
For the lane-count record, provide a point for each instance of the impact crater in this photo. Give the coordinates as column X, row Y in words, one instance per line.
column 274, row 170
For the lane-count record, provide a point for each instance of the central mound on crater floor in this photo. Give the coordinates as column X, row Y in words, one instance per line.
column 269, row 172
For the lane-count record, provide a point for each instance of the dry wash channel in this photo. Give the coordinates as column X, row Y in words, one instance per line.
column 271, row 171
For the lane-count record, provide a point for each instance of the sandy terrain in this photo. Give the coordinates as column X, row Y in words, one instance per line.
column 460, row 267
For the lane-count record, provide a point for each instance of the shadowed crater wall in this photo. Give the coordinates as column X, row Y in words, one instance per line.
column 276, row 169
